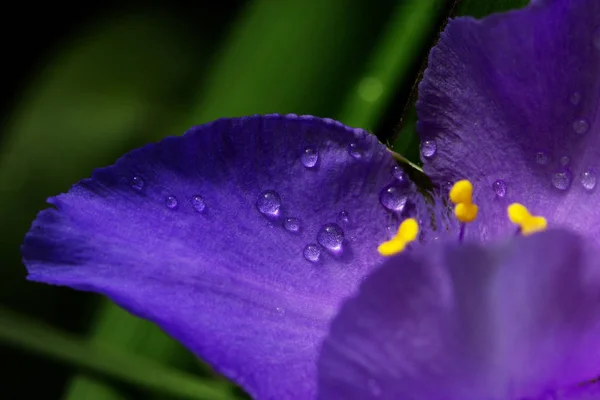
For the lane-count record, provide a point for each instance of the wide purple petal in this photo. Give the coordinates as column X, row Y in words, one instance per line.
column 506, row 321
column 172, row 232
column 512, row 103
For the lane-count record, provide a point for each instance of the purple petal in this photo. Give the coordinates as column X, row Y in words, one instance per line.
column 499, row 322
column 512, row 103
column 172, row 232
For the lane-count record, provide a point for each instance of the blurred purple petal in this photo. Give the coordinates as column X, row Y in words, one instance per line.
column 172, row 232
column 469, row 322
column 512, row 103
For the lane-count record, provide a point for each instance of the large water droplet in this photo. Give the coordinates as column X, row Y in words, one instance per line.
column 596, row 38
column 588, row 180
column 171, row 202
column 137, row 183
column 291, row 224
column 355, row 151
column 312, row 252
column 499, row 188
column 428, row 148
column 198, row 203
column 398, row 173
column 331, row 236
column 541, row 158
column 581, row 126
column 269, row 203
column 561, row 180
column 575, row 98
column 309, row 157
column 565, row 161
column 343, row 217
column 393, row 198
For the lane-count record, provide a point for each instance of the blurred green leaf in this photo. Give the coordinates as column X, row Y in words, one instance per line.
column 33, row 336
column 478, row 8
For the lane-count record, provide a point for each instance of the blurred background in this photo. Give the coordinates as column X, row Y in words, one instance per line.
column 84, row 83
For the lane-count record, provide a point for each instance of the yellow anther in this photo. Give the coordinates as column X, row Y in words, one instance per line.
column 519, row 215
column 407, row 232
column 461, row 194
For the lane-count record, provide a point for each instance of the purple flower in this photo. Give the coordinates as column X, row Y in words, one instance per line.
column 247, row 239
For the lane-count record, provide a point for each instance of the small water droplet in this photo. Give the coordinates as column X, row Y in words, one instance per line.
column 575, row 98
column 309, row 157
column 312, row 252
column 137, row 183
column 561, row 180
column 331, row 236
column 398, row 173
column 581, row 126
column 541, row 158
column 269, row 203
column 588, row 180
column 565, row 161
column 392, row 198
column 596, row 37
column 354, row 150
column 343, row 217
column 499, row 188
column 428, row 148
column 198, row 203
column 291, row 224
column 171, row 202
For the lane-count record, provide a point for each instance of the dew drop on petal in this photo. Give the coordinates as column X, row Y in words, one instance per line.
column 331, row 236
column 354, row 150
column 393, row 198
column 575, row 98
column 596, row 38
column 565, row 161
column 398, row 173
column 541, row 158
column 171, row 202
column 343, row 217
column 588, row 180
column 581, row 126
column 499, row 188
column 291, row 224
column 198, row 203
column 428, row 148
column 561, row 180
column 312, row 252
column 309, row 157
column 269, row 203
column 137, row 183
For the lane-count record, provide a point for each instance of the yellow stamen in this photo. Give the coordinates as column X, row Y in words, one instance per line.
column 461, row 194
column 407, row 232
column 519, row 215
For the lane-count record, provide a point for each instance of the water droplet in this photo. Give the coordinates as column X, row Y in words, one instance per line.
column 343, row 217
column 370, row 89
column 171, row 202
column 312, row 252
column 392, row 198
column 581, row 126
column 565, row 161
column 354, row 150
column 588, row 180
column 198, row 203
column 541, row 158
column 268, row 203
column 309, row 157
column 331, row 237
column 137, row 183
column 561, row 180
column 428, row 148
column 596, row 37
column 499, row 188
column 398, row 173
column 575, row 98
column 292, row 224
